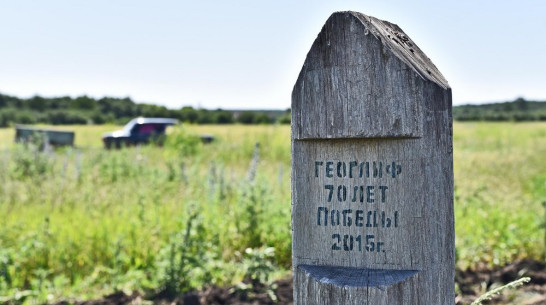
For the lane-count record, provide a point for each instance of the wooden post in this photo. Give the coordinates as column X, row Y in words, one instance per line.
column 372, row 170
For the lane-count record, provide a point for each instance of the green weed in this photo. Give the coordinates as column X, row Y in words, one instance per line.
column 82, row 222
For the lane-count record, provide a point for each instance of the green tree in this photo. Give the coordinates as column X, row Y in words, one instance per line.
column 247, row 117
column 223, row 117
column 286, row 118
column 262, row 118
column 521, row 103
column 204, row 117
column 36, row 103
column 188, row 114
column 84, row 103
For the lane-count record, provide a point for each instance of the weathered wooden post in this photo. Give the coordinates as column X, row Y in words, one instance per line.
column 372, row 170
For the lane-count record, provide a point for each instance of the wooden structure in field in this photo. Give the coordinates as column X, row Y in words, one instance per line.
column 27, row 134
column 372, row 170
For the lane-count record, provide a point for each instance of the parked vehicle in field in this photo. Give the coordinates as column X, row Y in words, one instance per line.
column 138, row 131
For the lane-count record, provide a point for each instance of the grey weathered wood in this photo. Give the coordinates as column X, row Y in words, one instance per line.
column 371, row 114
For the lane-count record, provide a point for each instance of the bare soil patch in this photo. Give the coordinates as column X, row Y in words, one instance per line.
column 473, row 283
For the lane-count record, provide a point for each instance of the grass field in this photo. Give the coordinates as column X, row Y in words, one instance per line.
column 83, row 222
column 500, row 191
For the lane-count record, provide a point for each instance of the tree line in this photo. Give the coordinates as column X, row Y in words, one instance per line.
column 87, row 110
column 517, row 110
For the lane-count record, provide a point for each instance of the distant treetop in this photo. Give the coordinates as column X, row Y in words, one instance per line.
column 517, row 110
column 87, row 110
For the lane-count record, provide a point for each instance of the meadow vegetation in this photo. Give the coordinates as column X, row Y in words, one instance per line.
column 81, row 222
column 500, row 192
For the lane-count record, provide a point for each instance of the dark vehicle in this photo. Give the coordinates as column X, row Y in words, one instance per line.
column 138, row 131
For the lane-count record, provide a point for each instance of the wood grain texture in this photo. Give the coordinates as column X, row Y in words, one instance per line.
column 372, row 170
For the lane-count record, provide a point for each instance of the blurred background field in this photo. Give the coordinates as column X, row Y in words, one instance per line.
column 81, row 222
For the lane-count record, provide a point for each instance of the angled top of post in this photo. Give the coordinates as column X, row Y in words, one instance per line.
column 362, row 78
column 402, row 46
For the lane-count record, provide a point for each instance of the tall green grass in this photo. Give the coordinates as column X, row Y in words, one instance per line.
column 80, row 222
column 85, row 221
column 500, row 192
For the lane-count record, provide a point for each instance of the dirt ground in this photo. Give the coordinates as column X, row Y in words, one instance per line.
column 471, row 284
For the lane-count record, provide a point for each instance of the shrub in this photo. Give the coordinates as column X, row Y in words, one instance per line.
column 182, row 143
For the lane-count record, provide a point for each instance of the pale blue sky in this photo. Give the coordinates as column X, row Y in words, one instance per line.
column 247, row 54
